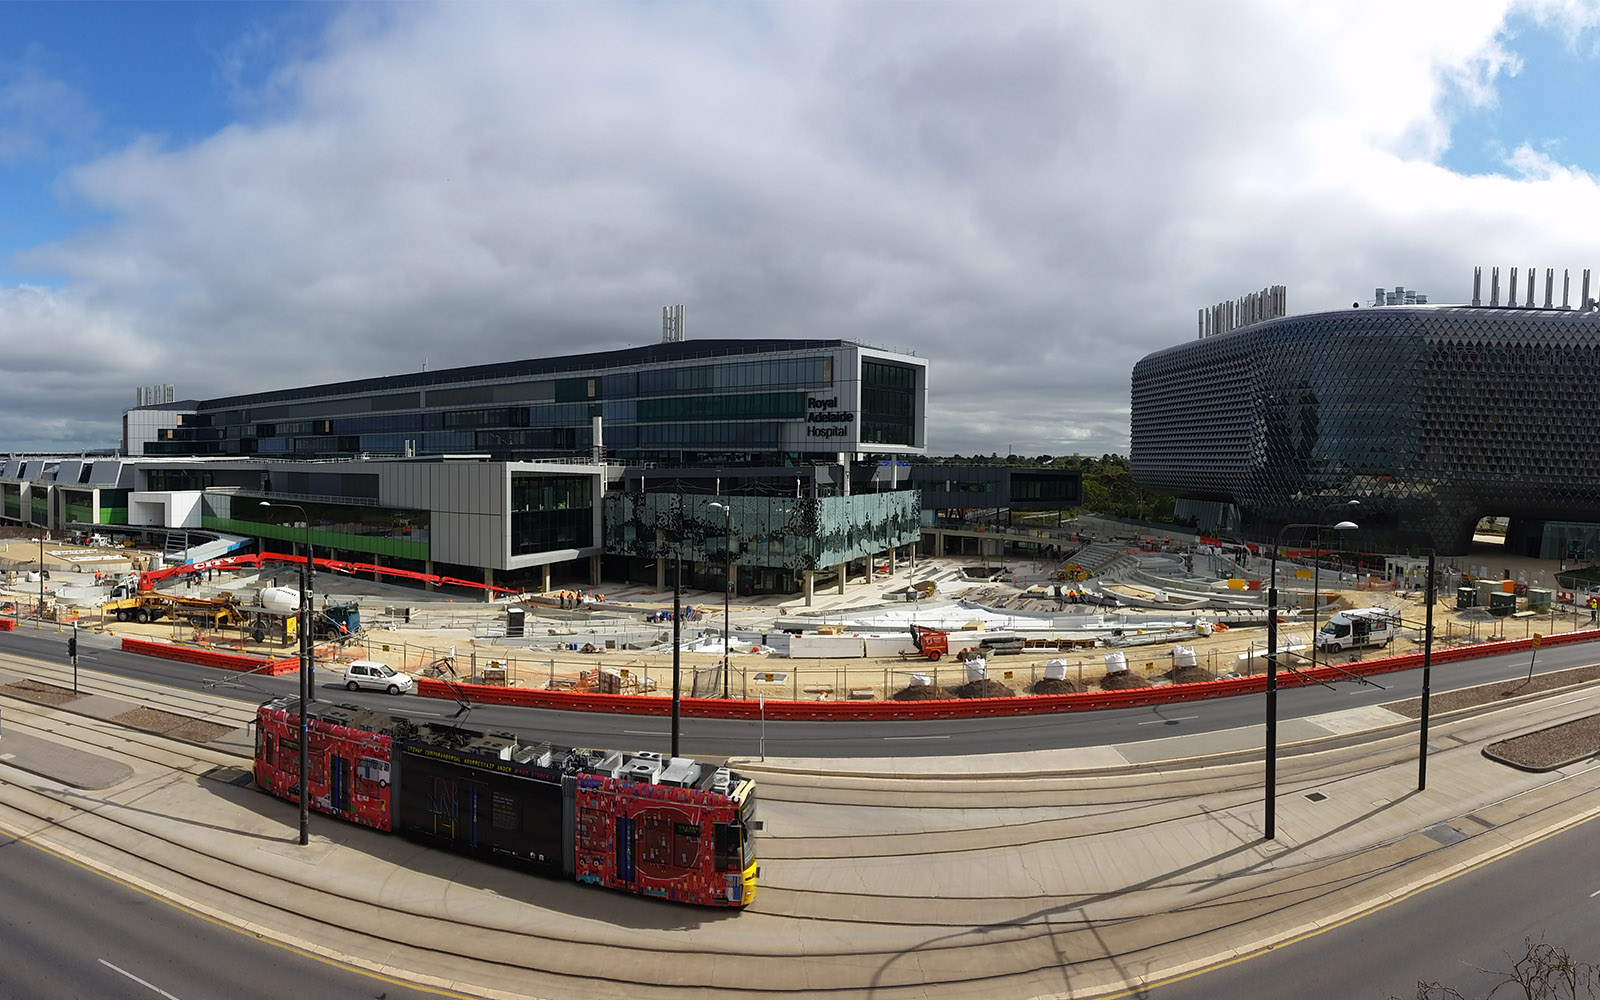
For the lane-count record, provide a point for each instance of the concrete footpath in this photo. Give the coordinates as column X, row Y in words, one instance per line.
column 1071, row 873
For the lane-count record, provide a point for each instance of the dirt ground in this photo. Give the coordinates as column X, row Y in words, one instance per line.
column 478, row 657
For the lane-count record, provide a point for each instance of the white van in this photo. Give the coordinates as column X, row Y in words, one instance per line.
column 1357, row 628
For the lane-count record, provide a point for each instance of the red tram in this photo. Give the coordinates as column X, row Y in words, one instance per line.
column 668, row 827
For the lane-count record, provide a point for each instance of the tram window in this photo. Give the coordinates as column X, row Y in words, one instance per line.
column 506, row 812
column 371, row 773
column 728, row 853
column 263, row 746
column 654, row 839
column 289, row 755
column 685, row 845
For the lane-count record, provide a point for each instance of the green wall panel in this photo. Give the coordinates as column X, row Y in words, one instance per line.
column 396, row 547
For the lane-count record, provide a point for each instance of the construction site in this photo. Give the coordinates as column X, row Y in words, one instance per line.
column 1115, row 614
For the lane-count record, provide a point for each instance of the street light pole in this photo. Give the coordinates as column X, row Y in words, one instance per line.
column 305, row 670
column 1271, row 824
column 1316, row 576
column 1427, row 670
column 727, row 588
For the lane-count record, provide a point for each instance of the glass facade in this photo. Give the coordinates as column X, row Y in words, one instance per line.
column 1432, row 417
column 888, row 403
column 77, row 506
column 386, row 532
column 723, row 401
column 114, row 506
column 795, row 534
column 551, row 512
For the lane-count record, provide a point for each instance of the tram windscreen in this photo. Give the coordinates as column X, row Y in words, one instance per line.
column 480, row 812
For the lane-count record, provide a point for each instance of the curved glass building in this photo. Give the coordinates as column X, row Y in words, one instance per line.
column 1432, row 416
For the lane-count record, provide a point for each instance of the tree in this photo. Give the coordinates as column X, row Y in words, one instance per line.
column 1544, row 972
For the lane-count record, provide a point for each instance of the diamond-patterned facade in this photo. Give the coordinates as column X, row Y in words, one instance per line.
column 1433, row 417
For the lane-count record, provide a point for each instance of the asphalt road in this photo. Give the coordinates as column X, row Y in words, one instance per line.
column 71, row 932
column 1549, row 891
column 888, row 738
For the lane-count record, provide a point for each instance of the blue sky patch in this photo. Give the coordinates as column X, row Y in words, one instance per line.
column 1546, row 105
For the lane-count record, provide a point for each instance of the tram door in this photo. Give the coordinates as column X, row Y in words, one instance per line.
column 339, row 783
column 624, row 841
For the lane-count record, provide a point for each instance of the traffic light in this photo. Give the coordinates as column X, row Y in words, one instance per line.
column 72, row 647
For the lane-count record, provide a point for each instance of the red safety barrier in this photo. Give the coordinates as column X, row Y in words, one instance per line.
column 1564, row 597
column 209, row 658
column 965, row 708
column 7, row 625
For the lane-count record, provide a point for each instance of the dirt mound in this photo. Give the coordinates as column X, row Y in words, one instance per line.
column 1189, row 675
column 925, row 693
column 985, row 688
column 1051, row 685
column 1123, row 680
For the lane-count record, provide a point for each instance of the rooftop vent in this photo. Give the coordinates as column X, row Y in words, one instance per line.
column 1530, row 284
column 1256, row 307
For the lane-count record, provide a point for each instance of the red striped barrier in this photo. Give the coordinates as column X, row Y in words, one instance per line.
column 209, row 658
column 964, row 708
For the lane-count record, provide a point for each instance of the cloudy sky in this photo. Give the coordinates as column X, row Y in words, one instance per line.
column 1032, row 196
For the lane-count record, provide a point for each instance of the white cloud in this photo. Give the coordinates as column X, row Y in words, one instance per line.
column 1031, row 195
column 38, row 110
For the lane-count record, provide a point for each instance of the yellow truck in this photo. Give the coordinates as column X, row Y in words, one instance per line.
column 152, row 607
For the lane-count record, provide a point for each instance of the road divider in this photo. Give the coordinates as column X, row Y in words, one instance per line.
column 208, row 658
column 947, row 708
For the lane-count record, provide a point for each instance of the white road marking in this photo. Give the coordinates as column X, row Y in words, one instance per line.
column 1594, row 894
column 943, row 737
column 1157, row 722
column 136, row 979
column 642, row 732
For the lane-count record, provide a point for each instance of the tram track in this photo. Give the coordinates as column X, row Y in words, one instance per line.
column 197, row 872
column 909, row 913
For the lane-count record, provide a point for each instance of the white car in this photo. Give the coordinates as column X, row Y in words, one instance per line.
column 376, row 676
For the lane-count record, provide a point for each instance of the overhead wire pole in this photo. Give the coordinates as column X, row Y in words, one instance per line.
column 677, row 620
column 305, row 669
column 727, row 588
column 1270, row 826
column 1427, row 670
